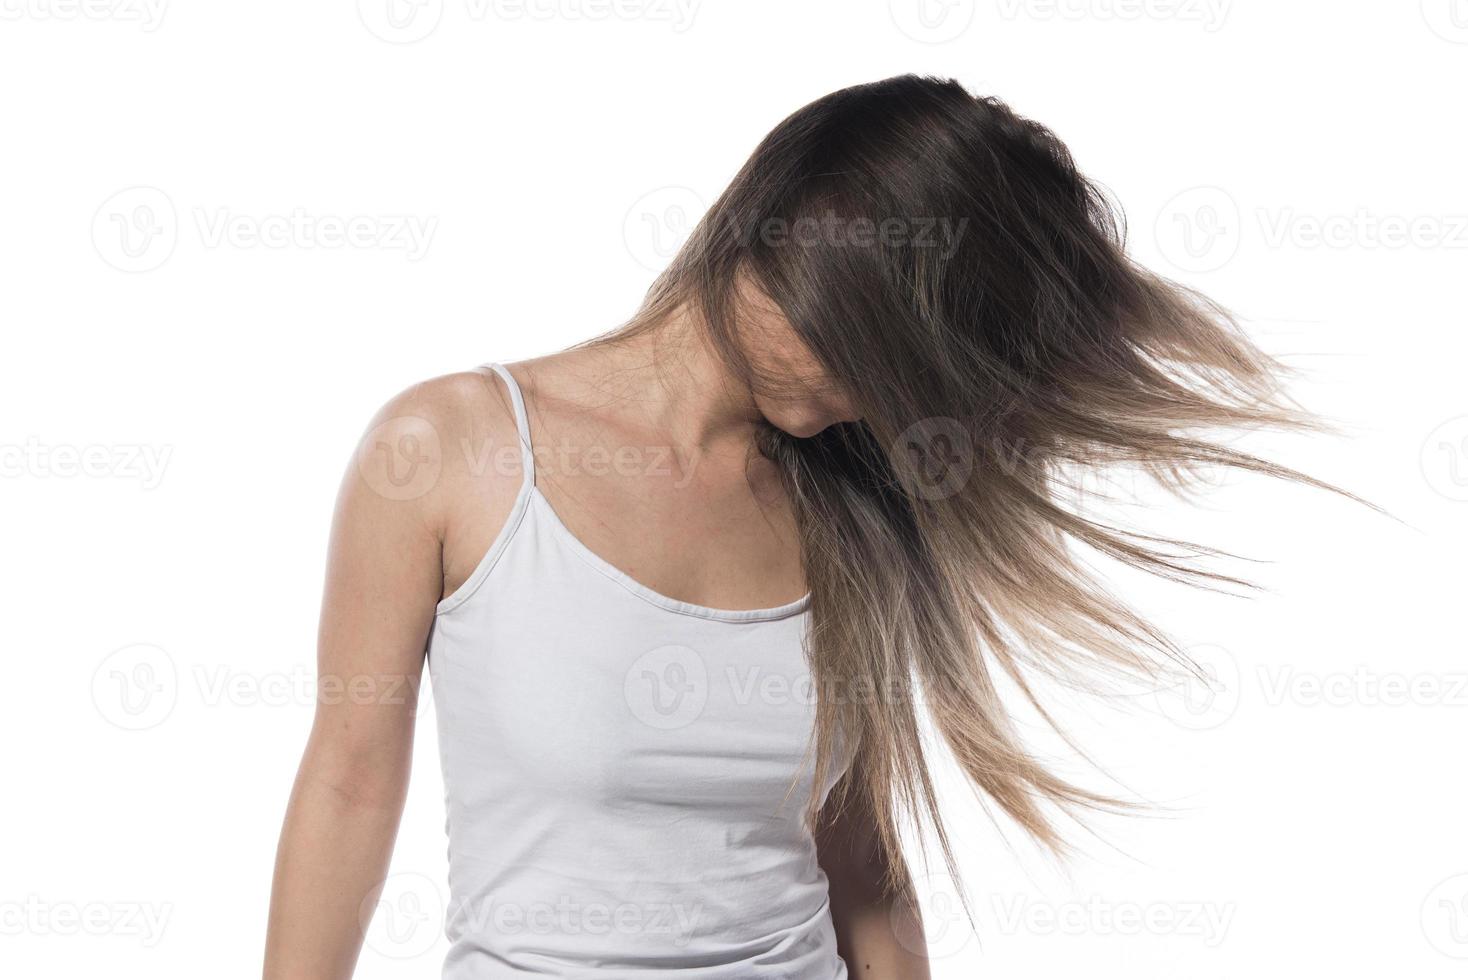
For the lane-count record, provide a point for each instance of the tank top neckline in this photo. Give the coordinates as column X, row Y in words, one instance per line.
column 530, row 493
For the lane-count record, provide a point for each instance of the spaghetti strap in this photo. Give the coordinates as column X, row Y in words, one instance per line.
column 522, row 422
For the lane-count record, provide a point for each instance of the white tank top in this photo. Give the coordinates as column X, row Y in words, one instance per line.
column 626, row 774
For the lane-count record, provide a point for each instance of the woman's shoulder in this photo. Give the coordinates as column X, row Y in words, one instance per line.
column 450, row 443
column 444, row 455
column 459, row 399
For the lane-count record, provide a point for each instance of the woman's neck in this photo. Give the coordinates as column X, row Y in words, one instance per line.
column 666, row 380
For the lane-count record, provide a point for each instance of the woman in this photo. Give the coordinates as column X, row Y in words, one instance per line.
column 679, row 632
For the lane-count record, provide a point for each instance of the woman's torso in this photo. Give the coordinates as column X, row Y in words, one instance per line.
column 627, row 773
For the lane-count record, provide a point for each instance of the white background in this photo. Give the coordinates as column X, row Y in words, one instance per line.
column 179, row 398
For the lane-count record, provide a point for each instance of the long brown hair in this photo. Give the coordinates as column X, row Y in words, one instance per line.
column 951, row 269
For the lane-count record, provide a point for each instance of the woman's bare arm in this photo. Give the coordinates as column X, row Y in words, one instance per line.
column 384, row 578
column 878, row 934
